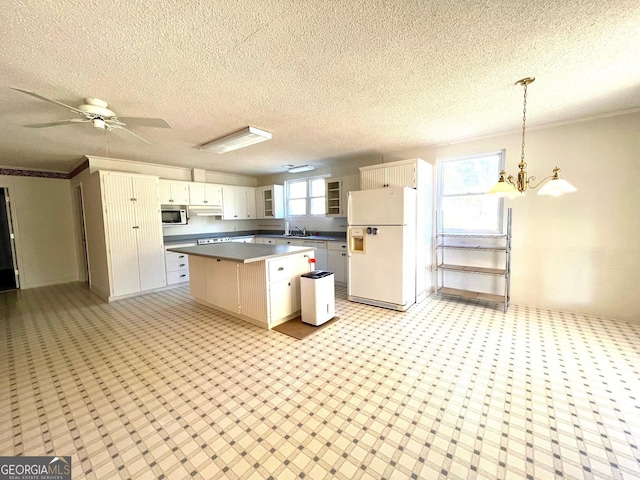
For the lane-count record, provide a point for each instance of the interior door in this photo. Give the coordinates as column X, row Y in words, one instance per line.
column 9, row 279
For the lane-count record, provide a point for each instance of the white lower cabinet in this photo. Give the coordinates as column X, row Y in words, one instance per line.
column 177, row 265
column 284, row 286
column 197, row 277
column 265, row 293
column 337, row 261
column 289, row 241
column 222, row 284
column 267, row 240
column 283, row 299
column 321, row 253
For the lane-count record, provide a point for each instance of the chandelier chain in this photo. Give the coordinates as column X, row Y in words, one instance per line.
column 524, row 119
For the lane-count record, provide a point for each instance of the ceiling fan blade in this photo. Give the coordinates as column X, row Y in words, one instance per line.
column 144, row 122
column 55, row 124
column 73, row 109
column 124, row 133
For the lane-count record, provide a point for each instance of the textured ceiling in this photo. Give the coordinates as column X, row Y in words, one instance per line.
column 331, row 80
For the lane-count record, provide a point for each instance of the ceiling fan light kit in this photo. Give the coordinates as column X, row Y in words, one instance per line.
column 242, row 138
column 511, row 186
column 95, row 111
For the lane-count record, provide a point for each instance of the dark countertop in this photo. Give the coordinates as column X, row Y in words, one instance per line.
column 327, row 236
column 241, row 252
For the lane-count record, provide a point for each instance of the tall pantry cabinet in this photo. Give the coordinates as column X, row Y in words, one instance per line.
column 124, row 234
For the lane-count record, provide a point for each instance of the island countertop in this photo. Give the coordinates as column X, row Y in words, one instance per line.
column 241, row 252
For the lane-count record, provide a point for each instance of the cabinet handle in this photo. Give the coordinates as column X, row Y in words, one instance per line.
column 132, row 199
column 182, row 276
column 344, row 254
column 180, row 256
column 136, row 227
column 182, row 264
column 280, row 269
column 206, row 201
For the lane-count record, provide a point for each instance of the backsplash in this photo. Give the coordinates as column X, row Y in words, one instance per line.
column 211, row 225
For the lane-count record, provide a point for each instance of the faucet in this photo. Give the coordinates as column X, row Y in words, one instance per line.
column 302, row 231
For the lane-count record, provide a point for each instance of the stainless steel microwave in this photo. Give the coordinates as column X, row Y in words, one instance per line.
column 174, row 217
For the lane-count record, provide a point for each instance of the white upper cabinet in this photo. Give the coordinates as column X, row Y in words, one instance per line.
column 396, row 174
column 174, row 192
column 270, row 201
column 250, row 201
column 337, row 192
column 207, row 194
column 238, row 202
column 125, row 189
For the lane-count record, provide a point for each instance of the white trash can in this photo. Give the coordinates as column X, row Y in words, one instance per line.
column 317, row 297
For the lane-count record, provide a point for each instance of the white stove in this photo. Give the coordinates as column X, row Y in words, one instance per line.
column 207, row 241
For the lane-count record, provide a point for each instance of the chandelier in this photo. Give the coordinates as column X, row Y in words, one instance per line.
column 515, row 186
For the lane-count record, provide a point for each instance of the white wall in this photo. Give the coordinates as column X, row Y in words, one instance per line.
column 578, row 252
column 44, row 229
column 211, row 225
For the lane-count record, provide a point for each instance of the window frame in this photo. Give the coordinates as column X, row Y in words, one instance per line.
column 307, row 198
column 441, row 162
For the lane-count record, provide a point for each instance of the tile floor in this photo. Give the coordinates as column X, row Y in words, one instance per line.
column 160, row 387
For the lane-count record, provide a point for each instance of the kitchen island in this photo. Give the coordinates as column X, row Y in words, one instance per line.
column 258, row 283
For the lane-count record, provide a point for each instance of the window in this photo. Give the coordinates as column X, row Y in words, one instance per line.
column 306, row 197
column 463, row 205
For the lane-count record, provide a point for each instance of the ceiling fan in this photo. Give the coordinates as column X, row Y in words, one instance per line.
column 95, row 111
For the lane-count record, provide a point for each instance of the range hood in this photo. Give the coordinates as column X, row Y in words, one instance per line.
column 205, row 211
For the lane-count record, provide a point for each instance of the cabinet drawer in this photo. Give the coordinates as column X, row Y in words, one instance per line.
column 288, row 241
column 320, row 245
column 174, row 257
column 177, row 265
column 338, row 246
column 177, row 277
column 280, row 269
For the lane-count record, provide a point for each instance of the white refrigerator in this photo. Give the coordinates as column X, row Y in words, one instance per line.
column 382, row 247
